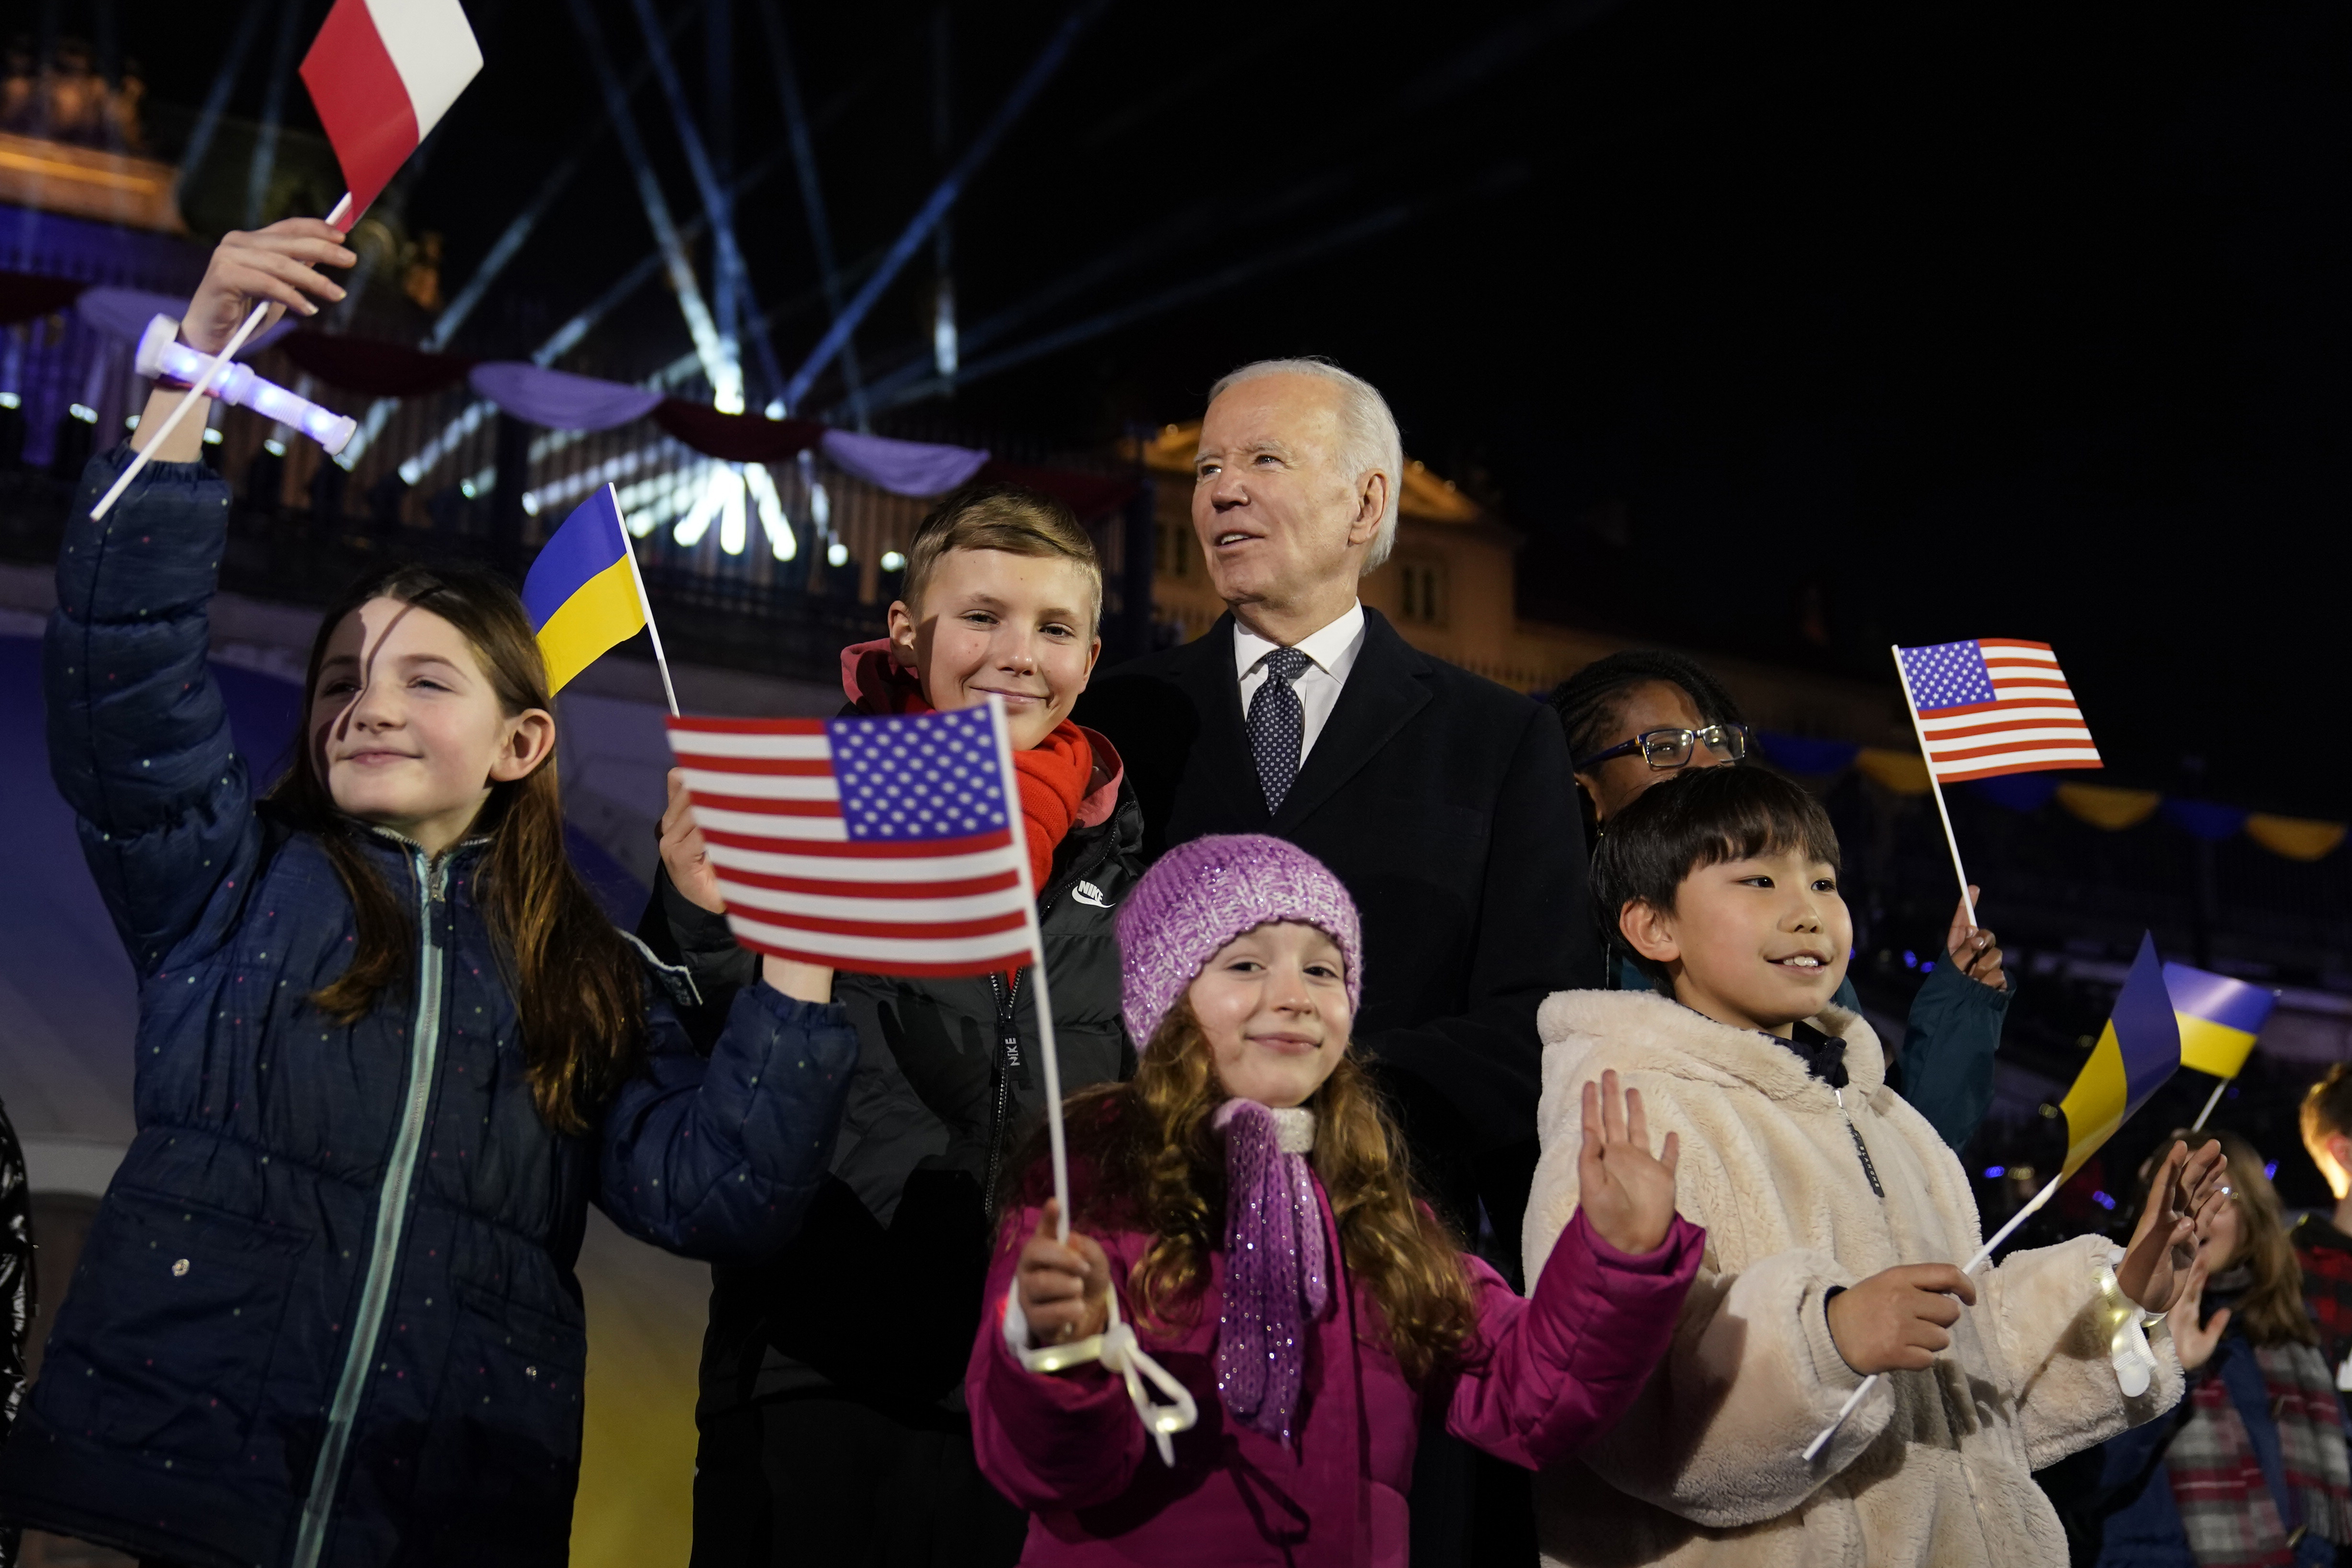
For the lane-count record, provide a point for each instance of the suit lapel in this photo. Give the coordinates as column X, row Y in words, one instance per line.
column 1383, row 692
column 1222, row 756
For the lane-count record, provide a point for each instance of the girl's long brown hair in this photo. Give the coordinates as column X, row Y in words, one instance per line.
column 1155, row 1163
column 2271, row 1311
column 578, row 994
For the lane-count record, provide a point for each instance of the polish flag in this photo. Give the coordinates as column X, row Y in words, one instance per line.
column 382, row 73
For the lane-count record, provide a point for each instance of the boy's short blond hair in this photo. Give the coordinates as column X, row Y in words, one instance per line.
column 1000, row 517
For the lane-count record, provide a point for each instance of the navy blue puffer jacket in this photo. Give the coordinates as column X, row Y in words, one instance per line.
column 326, row 1313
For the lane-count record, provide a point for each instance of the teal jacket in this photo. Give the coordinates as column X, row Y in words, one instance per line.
column 1947, row 1044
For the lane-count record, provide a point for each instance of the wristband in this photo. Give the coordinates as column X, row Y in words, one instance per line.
column 2127, row 1324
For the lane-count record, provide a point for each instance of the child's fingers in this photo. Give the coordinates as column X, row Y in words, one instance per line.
column 293, row 274
column 1591, row 1116
column 1637, row 1121
column 1671, row 1154
column 322, row 249
column 262, row 287
column 1941, row 1278
column 1049, row 1221
column 1612, row 1107
column 677, row 815
column 294, row 229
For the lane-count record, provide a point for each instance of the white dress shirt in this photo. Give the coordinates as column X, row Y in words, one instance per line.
column 1332, row 652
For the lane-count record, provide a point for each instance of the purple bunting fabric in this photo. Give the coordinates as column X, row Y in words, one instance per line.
column 122, row 314
column 2205, row 819
column 558, row 399
column 2018, row 792
column 1804, row 754
column 902, row 468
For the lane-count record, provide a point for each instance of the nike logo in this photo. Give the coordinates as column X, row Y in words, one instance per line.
column 1088, row 894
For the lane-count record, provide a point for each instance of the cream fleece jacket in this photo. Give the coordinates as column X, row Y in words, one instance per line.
column 1934, row 1468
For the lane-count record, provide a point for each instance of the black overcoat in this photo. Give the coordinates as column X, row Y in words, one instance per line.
column 1444, row 803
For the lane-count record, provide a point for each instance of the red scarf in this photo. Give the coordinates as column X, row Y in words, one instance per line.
column 1053, row 775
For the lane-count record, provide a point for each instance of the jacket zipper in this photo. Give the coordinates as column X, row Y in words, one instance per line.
column 1008, row 1061
column 1859, row 1148
column 391, row 1217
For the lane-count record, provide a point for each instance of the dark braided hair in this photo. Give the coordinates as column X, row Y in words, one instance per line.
column 1588, row 701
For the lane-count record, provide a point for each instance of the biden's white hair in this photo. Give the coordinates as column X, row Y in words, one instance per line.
column 1368, row 439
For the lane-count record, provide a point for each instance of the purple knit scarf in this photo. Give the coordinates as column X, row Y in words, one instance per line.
column 1277, row 1275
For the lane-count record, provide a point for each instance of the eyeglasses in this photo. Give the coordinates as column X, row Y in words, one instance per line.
column 1664, row 749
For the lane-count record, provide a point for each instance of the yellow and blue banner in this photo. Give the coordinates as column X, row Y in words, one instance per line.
column 583, row 592
column 2218, row 1017
column 2137, row 1051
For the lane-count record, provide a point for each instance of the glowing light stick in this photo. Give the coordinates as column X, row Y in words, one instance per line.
column 163, row 357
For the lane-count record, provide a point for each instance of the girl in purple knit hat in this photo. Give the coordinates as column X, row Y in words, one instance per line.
column 1245, row 1219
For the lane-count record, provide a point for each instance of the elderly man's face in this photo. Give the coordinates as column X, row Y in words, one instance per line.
column 1280, row 521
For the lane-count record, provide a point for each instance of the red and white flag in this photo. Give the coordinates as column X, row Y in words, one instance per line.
column 1993, row 706
column 887, row 845
column 382, row 73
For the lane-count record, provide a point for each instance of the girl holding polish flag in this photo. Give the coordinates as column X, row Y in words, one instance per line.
column 1243, row 1218
column 389, row 1051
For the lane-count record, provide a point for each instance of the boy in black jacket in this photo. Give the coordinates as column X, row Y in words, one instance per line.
column 842, row 1439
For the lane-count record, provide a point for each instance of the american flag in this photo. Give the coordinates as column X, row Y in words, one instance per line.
column 1994, row 705
column 887, row 845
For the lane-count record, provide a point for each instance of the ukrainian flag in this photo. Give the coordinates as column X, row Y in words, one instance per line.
column 2218, row 1019
column 2139, row 1048
column 583, row 592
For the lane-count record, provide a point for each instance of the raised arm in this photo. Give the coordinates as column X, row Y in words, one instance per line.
column 719, row 1158
column 1953, row 1030
column 139, row 738
column 1560, row 1367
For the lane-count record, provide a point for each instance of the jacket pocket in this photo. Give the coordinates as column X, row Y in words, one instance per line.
column 166, row 1343
column 505, row 1451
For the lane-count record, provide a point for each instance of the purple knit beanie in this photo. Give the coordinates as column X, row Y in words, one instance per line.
column 1202, row 894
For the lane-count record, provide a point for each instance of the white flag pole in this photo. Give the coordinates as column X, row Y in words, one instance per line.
column 195, row 395
column 1911, row 706
column 1043, row 998
column 646, row 605
column 2048, row 1191
column 2211, row 1100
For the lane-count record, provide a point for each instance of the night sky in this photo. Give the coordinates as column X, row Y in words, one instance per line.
column 1785, row 329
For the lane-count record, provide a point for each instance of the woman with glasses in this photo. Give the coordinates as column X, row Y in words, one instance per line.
column 1641, row 716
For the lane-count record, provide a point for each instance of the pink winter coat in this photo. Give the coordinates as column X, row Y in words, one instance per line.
column 1545, row 1375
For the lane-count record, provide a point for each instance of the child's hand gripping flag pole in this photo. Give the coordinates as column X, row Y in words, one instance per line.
column 586, row 596
column 1986, row 706
column 895, row 846
column 381, row 74
column 2218, row 1019
column 2137, row 1051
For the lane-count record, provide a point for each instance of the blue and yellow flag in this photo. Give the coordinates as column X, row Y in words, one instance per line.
column 2139, row 1049
column 2218, row 1019
column 582, row 591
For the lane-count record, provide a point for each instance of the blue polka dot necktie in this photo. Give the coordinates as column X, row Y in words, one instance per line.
column 1277, row 725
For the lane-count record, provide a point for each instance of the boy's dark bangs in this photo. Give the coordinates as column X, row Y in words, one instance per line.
column 1764, row 823
column 1703, row 817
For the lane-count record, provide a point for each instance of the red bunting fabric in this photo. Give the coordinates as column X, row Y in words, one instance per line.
column 1089, row 495
column 373, row 369
column 736, row 437
column 25, row 296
